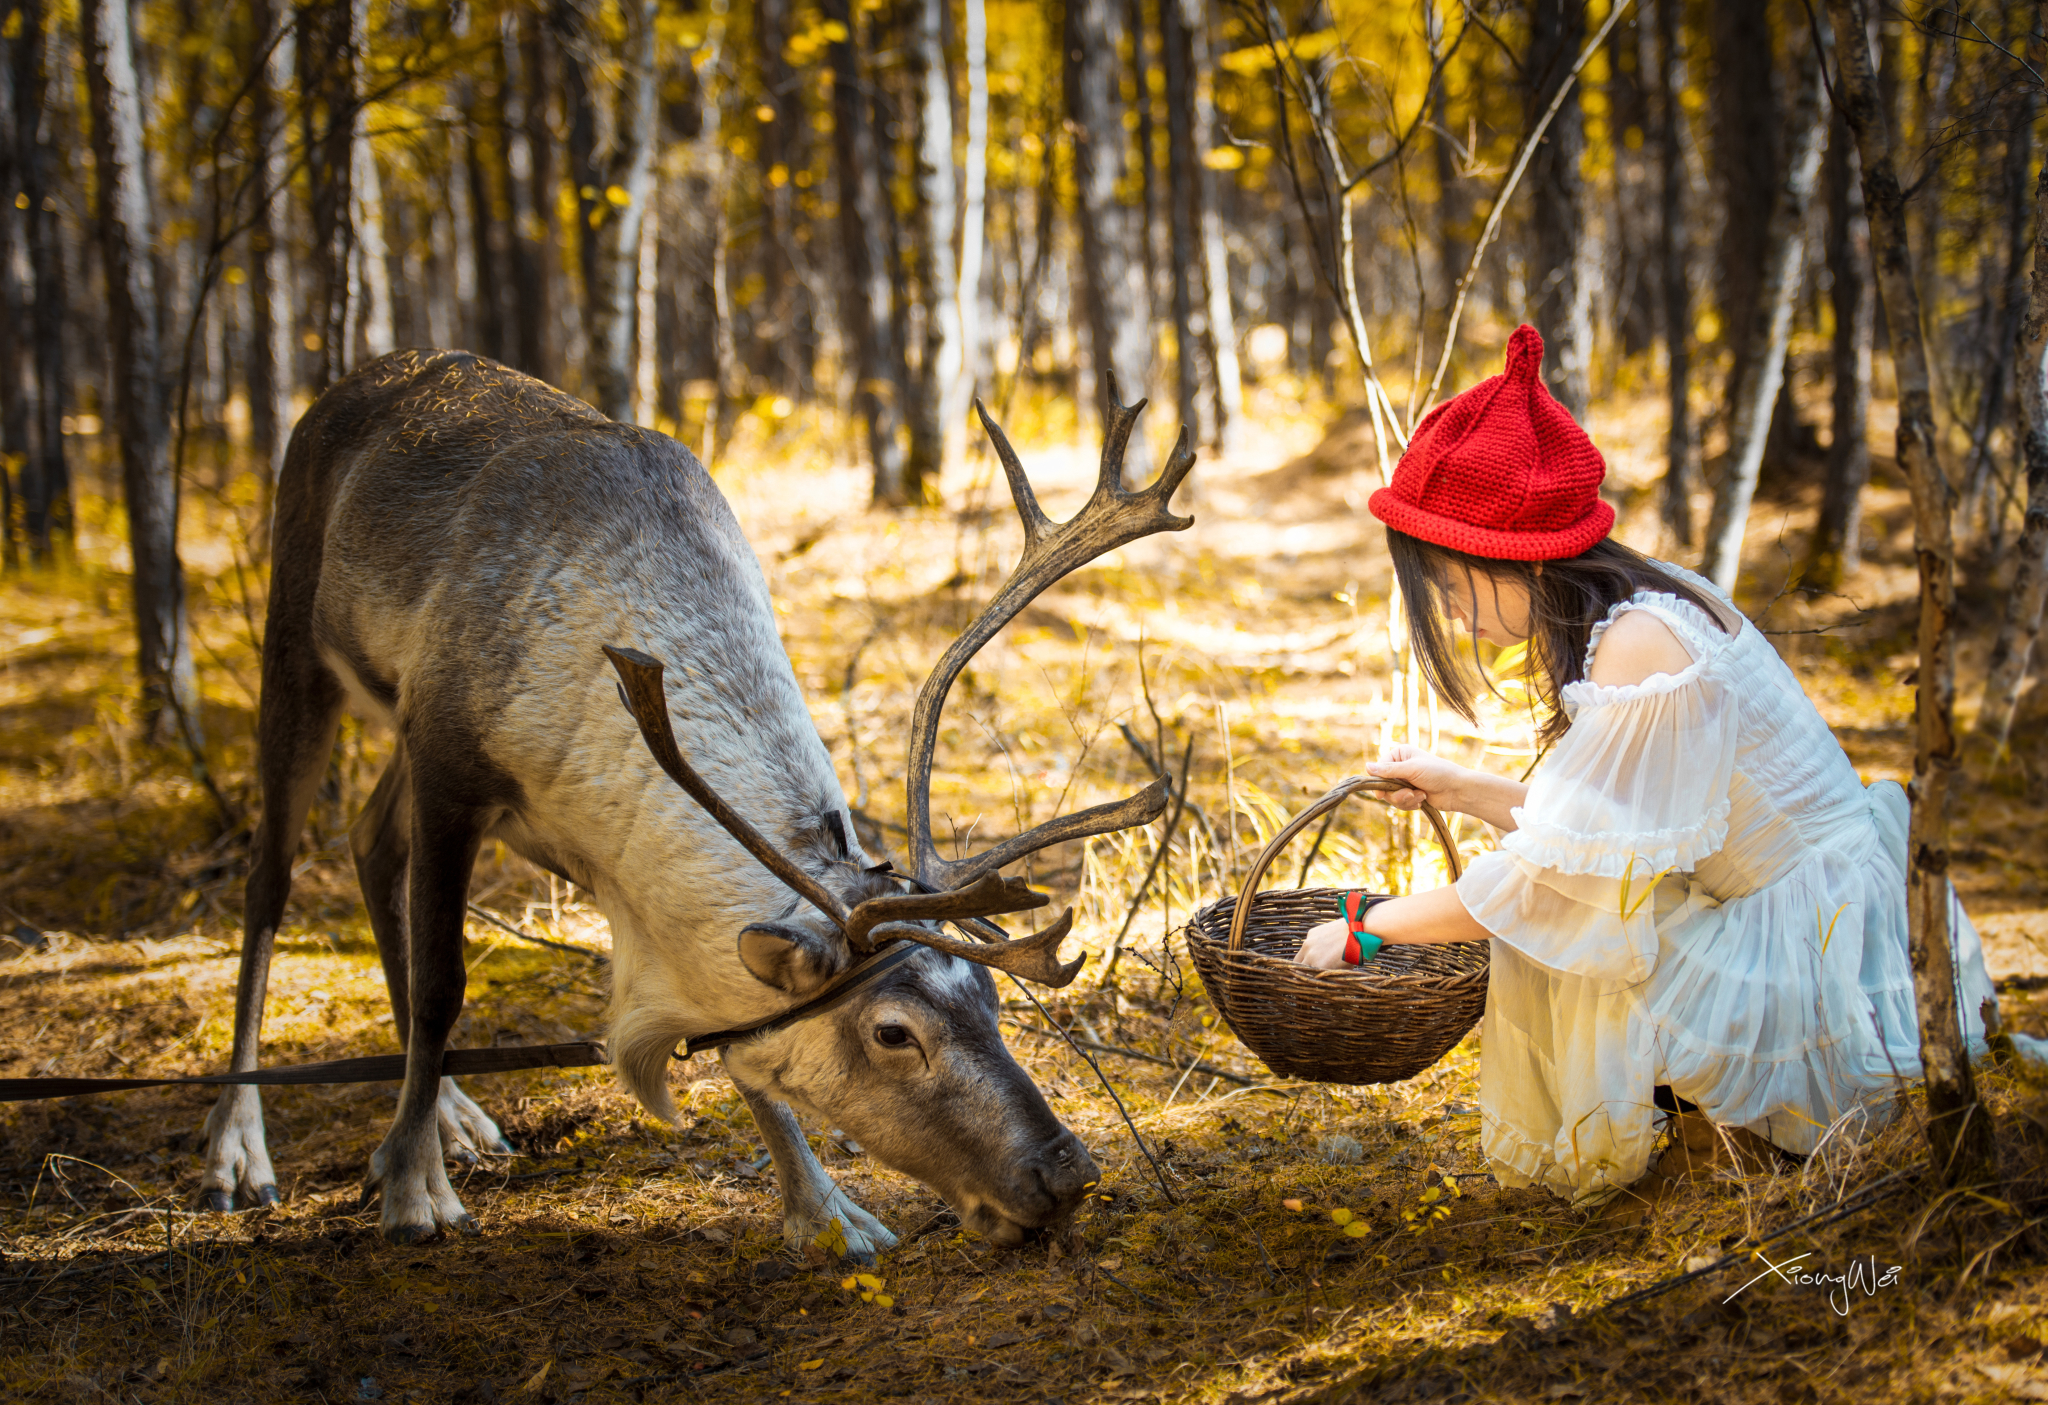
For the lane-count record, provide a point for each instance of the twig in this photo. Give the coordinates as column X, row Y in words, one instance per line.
column 1180, row 803
column 1108, row 1087
column 486, row 915
column 1316, row 848
column 1500, row 202
column 1864, row 1200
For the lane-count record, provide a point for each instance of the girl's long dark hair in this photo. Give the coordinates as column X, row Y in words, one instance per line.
column 1567, row 597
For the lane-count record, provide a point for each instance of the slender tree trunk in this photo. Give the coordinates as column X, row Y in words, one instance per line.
column 149, row 487
column 1628, row 98
column 647, row 289
column 973, row 222
column 270, row 357
column 1981, row 506
column 1681, row 443
column 612, row 234
column 1959, row 1128
column 1769, row 333
column 1453, row 202
column 1747, row 157
column 1145, row 215
column 490, row 241
column 330, row 41
column 1560, row 267
column 1116, row 304
column 2020, row 629
column 864, row 240
column 373, row 255
column 780, row 145
column 932, row 433
column 1219, row 325
column 526, row 147
column 1194, row 377
column 46, row 476
column 15, row 395
column 1837, row 535
column 714, row 168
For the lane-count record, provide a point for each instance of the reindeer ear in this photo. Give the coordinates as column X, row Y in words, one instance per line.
column 792, row 958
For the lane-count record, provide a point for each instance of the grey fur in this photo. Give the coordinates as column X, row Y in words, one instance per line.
column 454, row 541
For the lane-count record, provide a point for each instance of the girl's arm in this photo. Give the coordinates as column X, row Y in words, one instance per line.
column 1449, row 786
column 1438, row 915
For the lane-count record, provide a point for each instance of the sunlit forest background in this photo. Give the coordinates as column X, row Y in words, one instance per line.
column 802, row 237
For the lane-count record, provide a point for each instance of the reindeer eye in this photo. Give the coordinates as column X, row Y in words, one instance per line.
column 893, row 1036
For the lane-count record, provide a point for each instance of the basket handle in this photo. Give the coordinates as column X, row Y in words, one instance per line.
column 1331, row 799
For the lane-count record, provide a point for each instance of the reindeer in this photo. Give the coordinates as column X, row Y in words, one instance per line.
column 460, row 550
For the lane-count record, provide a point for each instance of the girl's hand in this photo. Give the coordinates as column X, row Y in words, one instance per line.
column 1431, row 778
column 1323, row 947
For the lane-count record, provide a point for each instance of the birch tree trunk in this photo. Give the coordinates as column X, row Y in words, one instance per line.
column 973, row 225
column 932, row 431
column 46, row 476
column 1681, row 443
column 1762, row 355
column 2020, row 628
column 864, row 239
column 1112, row 280
column 373, row 255
column 149, row 487
column 1220, row 330
column 270, row 354
column 1959, row 1128
column 613, row 268
column 1560, row 267
column 1837, row 535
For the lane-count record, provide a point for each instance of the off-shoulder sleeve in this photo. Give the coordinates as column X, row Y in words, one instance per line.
column 1638, row 789
column 1640, row 783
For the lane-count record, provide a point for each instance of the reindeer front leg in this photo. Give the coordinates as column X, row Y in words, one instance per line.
column 408, row 1168
column 811, row 1199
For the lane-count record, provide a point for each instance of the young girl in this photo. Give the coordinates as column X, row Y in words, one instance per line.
column 1696, row 903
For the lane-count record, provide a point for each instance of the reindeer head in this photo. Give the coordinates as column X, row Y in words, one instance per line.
column 894, row 1031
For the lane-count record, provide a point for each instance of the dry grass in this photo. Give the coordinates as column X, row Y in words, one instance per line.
column 621, row 1259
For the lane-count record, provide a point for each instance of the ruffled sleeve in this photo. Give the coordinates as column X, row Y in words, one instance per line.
column 1634, row 796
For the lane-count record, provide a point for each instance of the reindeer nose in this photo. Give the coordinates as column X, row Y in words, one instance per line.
column 1065, row 1170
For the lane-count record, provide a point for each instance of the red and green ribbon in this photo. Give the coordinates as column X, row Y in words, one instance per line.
column 1360, row 946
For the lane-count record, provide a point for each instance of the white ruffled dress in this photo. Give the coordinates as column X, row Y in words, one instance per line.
column 1701, row 893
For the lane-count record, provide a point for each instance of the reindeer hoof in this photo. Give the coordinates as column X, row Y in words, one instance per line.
column 467, row 1225
column 404, row 1234
column 217, row 1202
column 266, row 1196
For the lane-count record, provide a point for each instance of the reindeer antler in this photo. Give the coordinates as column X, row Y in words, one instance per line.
column 641, row 676
column 1113, row 517
column 963, row 891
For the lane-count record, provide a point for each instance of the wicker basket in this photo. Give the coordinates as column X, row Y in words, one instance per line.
column 1379, row 1023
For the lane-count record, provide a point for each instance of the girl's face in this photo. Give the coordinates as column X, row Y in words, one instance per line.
column 1493, row 608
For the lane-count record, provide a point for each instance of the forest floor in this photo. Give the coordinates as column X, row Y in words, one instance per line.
column 1296, row 1242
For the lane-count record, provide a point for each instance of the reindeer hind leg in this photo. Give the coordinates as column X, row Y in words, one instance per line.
column 381, row 842
column 408, row 1169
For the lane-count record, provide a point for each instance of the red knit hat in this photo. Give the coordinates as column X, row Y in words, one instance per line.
column 1502, row 470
